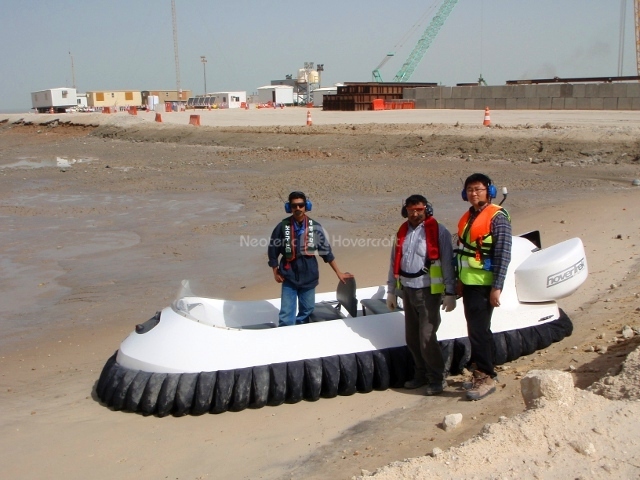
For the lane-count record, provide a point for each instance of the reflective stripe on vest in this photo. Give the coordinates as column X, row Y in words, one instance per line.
column 432, row 254
column 474, row 263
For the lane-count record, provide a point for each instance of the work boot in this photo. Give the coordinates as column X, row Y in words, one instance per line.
column 483, row 385
column 468, row 384
column 414, row 383
column 435, row 388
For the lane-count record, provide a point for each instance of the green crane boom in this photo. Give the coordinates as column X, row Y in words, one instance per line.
column 423, row 44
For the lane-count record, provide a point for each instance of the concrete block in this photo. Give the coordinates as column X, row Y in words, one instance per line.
column 421, row 103
column 509, row 91
column 475, row 92
column 469, row 104
column 591, row 90
column 533, row 103
column 579, row 90
column 409, row 93
column 479, row 103
column 488, row 102
column 566, row 90
column 545, row 103
column 519, row 90
column 511, row 104
column 448, row 103
column 458, row 103
column 500, row 104
column 439, row 102
column 583, row 103
column 635, row 104
column 531, row 91
column 521, row 103
column 633, row 90
column 459, row 92
column 610, row 103
column 605, row 90
column 597, row 103
column 552, row 385
column 624, row 103
column 554, row 90
column 619, row 90
column 445, row 92
column 494, row 92
column 557, row 103
column 543, row 91
column 570, row 103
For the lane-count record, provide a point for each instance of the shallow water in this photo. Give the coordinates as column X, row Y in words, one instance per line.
column 34, row 162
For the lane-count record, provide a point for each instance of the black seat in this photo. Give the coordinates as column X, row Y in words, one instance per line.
column 376, row 306
column 345, row 296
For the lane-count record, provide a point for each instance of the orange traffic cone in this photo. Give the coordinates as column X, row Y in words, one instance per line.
column 309, row 122
column 487, row 117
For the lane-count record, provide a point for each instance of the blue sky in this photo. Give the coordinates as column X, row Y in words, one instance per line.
column 128, row 44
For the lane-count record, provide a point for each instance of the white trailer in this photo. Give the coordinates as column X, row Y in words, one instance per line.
column 58, row 99
column 276, row 94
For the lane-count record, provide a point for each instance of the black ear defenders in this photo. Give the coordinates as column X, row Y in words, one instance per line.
column 413, row 200
column 492, row 192
column 307, row 202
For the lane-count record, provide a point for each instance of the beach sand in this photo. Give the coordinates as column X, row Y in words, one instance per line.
column 104, row 215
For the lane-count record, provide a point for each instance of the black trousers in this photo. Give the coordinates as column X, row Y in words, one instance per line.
column 421, row 322
column 478, row 311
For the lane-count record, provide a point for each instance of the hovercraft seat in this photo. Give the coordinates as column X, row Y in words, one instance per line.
column 377, row 305
column 345, row 297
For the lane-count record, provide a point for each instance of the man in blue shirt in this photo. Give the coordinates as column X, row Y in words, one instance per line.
column 292, row 248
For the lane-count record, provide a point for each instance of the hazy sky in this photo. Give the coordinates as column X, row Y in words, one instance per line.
column 128, row 44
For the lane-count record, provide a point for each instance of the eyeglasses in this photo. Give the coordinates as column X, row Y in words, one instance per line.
column 415, row 210
column 475, row 190
column 297, row 205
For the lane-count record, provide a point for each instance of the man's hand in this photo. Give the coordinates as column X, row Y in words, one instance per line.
column 392, row 302
column 276, row 274
column 343, row 276
column 448, row 303
column 494, row 297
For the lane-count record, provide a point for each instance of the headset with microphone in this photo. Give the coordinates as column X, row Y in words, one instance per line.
column 292, row 195
column 414, row 199
column 485, row 180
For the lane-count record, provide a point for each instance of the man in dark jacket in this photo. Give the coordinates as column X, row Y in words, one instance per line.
column 295, row 240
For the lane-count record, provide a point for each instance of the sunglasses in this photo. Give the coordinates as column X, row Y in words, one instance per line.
column 297, row 205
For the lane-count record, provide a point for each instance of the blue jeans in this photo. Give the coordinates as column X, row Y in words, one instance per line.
column 305, row 298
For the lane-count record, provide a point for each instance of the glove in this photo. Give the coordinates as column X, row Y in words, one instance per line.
column 448, row 303
column 392, row 303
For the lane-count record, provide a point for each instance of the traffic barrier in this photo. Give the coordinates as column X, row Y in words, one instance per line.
column 194, row 120
column 51, row 110
column 106, row 109
column 243, row 105
column 133, row 110
column 158, row 118
column 378, row 104
column 167, row 107
column 487, row 117
column 309, row 122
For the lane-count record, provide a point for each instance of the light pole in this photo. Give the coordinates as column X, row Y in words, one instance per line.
column 320, row 69
column 203, row 59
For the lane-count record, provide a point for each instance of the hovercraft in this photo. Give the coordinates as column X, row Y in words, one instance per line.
column 205, row 355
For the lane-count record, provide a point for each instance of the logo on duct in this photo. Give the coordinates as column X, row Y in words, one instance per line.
column 566, row 274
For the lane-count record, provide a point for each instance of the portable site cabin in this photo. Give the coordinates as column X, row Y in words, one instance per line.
column 280, row 94
column 114, row 98
column 227, row 99
column 57, row 98
column 318, row 94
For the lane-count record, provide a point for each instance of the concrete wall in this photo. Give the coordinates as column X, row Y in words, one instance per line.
column 556, row 96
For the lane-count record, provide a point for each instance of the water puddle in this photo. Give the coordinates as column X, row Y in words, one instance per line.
column 58, row 162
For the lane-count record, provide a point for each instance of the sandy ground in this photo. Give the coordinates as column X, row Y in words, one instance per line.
column 103, row 215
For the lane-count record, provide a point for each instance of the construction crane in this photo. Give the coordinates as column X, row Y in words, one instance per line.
column 423, row 44
column 175, row 47
column 636, row 11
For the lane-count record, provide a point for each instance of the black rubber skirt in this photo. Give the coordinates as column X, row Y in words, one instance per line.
column 178, row 394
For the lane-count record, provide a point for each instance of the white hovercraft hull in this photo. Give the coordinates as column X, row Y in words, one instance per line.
column 195, row 349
